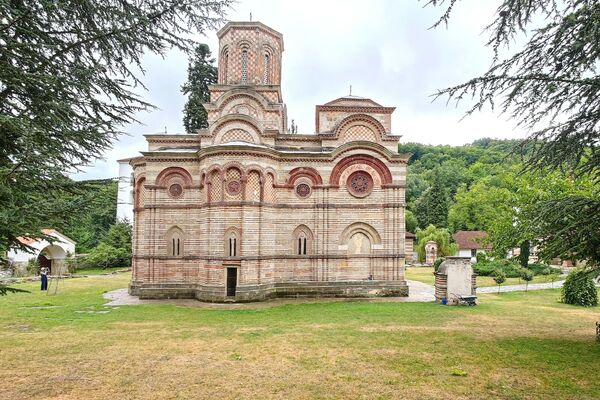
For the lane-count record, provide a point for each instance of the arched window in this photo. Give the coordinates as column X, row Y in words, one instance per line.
column 225, row 64
column 244, row 67
column 302, row 237
column 302, row 244
column 232, row 243
column 174, row 239
column 267, row 69
column 232, row 246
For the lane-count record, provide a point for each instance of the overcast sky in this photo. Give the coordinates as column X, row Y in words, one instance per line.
column 383, row 48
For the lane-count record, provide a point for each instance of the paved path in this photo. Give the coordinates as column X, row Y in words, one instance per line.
column 521, row 288
column 419, row 292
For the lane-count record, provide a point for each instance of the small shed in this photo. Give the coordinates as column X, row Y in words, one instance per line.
column 454, row 278
column 471, row 242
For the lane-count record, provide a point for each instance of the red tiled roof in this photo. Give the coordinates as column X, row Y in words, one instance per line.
column 471, row 240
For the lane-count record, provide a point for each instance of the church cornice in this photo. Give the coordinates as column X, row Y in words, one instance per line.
column 357, row 109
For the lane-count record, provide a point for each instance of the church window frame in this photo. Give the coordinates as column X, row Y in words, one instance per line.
column 244, row 64
column 267, row 69
column 302, row 241
column 232, row 243
column 175, row 241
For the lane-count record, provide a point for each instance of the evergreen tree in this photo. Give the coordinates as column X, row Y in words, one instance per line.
column 524, row 254
column 68, row 71
column 201, row 74
column 432, row 206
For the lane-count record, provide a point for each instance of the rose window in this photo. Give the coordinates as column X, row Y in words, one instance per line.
column 360, row 184
column 175, row 190
column 303, row 190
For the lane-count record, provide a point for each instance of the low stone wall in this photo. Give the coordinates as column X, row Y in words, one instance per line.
column 249, row 293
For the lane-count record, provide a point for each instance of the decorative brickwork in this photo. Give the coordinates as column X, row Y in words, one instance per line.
column 246, row 211
column 237, row 134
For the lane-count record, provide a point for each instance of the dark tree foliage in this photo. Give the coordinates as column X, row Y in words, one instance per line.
column 550, row 87
column 201, row 74
column 68, row 75
column 432, row 206
column 574, row 230
column 94, row 216
column 524, row 254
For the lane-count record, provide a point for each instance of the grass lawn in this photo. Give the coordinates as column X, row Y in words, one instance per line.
column 512, row 346
column 425, row 275
column 96, row 271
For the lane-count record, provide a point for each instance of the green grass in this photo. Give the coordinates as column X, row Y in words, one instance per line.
column 512, row 346
column 97, row 271
column 425, row 275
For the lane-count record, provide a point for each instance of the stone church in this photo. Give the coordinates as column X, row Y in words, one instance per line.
column 245, row 210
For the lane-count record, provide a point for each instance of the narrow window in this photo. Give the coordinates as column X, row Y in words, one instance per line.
column 225, row 62
column 302, row 247
column 232, row 246
column 173, row 247
column 267, row 69
column 244, row 67
column 178, row 252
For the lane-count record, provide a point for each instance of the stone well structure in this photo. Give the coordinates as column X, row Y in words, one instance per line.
column 455, row 277
column 244, row 210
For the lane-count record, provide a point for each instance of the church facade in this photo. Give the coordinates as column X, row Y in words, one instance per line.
column 245, row 210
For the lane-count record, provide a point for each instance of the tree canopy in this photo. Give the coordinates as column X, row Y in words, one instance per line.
column 69, row 75
column 550, row 87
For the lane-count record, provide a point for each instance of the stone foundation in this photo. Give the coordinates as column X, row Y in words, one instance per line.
column 247, row 293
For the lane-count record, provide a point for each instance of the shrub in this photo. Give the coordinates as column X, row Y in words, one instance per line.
column 543, row 269
column 499, row 278
column 527, row 276
column 579, row 289
column 105, row 256
column 33, row 266
column 510, row 268
column 436, row 264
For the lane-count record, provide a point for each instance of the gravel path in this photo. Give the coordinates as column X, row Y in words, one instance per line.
column 521, row 288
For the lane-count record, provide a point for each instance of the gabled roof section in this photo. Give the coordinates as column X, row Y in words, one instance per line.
column 250, row 25
column 471, row 240
column 350, row 101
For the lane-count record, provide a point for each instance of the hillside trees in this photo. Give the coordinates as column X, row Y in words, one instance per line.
column 550, row 87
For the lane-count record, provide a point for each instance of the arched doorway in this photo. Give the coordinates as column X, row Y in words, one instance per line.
column 53, row 257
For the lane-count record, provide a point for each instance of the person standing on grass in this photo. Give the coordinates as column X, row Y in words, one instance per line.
column 44, row 277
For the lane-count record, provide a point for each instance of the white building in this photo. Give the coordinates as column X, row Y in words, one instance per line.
column 50, row 255
column 470, row 243
column 125, row 193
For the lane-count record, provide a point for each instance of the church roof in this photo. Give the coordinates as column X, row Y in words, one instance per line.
column 351, row 100
column 471, row 240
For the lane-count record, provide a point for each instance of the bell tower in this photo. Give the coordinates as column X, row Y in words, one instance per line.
column 249, row 54
column 246, row 104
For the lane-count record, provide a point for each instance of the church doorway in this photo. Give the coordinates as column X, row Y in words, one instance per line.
column 231, row 281
column 53, row 258
column 45, row 263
